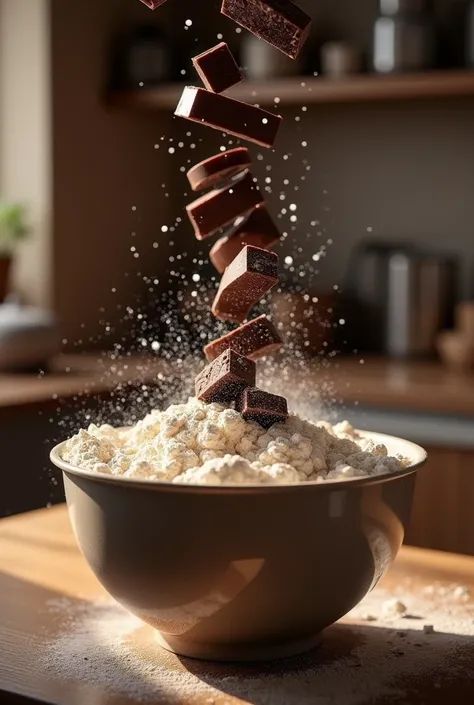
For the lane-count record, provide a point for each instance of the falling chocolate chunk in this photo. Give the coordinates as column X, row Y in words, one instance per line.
column 229, row 115
column 212, row 172
column 227, row 248
column 218, row 69
column 262, row 407
column 153, row 4
column 246, row 280
column 257, row 230
column 281, row 23
column 224, row 378
column 220, row 207
column 254, row 339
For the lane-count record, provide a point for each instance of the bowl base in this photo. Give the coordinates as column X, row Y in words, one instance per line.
column 236, row 652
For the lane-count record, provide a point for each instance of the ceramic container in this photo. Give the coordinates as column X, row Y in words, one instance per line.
column 240, row 573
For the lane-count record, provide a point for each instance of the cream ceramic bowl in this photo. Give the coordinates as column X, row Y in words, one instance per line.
column 240, row 573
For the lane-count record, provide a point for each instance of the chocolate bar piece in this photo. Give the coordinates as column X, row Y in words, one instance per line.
column 214, row 170
column 249, row 277
column 220, row 207
column 153, row 4
column 264, row 408
column 224, row 378
column 229, row 115
column 254, row 339
column 218, row 69
column 281, row 23
column 258, row 230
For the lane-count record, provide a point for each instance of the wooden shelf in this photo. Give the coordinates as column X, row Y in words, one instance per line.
column 309, row 90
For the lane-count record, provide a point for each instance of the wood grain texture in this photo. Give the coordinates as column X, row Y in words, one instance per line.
column 39, row 561
column 423, row 386
column 442, row 516
column 306, row 90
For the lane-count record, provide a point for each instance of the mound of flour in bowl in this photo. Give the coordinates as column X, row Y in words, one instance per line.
column 210, row 444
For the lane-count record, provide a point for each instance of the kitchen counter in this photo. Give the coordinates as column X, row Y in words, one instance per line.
column 63, row 641
column 74, row 375
column 424, row 387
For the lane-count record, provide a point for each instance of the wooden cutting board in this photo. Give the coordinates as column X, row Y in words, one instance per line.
column 64, row 641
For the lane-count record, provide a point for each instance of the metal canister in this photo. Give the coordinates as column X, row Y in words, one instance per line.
column 470, row 35
column 421, row 292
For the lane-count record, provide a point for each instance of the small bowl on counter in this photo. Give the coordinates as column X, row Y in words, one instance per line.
column 456, row 347
column 241, row 573
column 455, row 351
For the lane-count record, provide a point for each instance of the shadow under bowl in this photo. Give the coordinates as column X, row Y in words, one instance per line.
column 240, row 573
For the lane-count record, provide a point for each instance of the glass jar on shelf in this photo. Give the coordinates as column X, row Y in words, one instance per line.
column 404, row 36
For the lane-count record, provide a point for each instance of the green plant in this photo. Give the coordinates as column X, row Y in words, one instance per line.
column 13, row 226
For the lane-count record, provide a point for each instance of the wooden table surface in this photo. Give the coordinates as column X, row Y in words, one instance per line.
column 55, row 621
column 411, row 386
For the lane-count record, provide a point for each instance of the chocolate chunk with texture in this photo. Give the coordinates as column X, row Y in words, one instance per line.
column 229, row 115
column 220, row 207
column 218, row 69
column 227, row 248
column 153, row 4
column 249, row 277
column 257, row 230
column 213, row 171
column 262, row 407
column 281, row 23
column 225, row 378
column 254, row 339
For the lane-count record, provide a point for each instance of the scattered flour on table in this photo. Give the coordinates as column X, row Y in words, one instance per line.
column 459, row 592
column 211, row 444
column 102, row 646
column 394, row 608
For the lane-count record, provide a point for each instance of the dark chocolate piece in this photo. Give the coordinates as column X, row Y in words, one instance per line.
column 213, row 171
column 262, row 407
column 258, row 230
column 153, row 4
column 218, row 69
column 254, row 339
column 225, row 378
column 281, row 23
column 246, row 280
column 229, row 115
column 220, row 207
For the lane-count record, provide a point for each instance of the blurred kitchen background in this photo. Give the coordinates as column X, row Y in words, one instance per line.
column 376, row 151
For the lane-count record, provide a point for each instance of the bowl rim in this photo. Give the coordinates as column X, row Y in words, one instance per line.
column 411, row 450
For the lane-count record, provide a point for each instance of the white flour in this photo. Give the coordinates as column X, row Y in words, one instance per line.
column 210, row 444
column 101, row 645
column 393, row 608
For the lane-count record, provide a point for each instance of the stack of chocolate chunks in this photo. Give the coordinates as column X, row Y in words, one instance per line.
column 280, row 23
column 249, row 269
column 234, row 201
